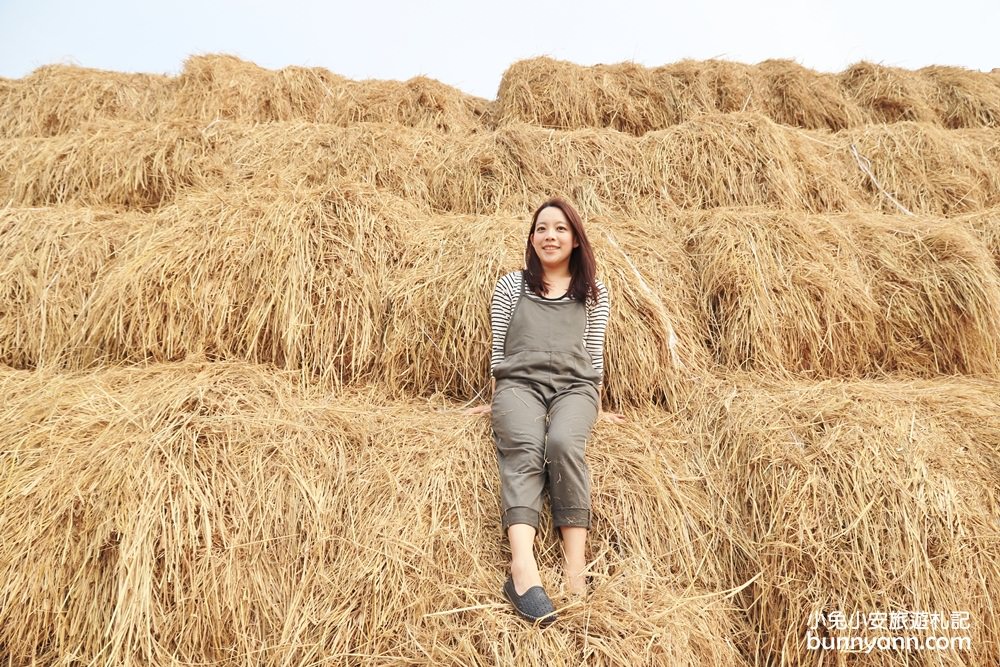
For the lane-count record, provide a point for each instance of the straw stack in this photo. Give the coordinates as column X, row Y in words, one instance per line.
column 223, row 87
column 846, row 296
column 634, row 99
column 224, row 511
column 56, row 99
column 242, row 310
column 719, row 160
column 861, row 497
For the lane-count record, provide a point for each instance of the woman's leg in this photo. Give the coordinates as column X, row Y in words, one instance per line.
column 523, row 569
column 575, row 558
column 519, row 430
column 571, row 418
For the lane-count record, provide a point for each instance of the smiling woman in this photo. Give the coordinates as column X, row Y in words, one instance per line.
column 553, row 240
column 548, row 339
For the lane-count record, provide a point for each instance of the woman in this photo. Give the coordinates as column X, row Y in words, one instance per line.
column 548, row 359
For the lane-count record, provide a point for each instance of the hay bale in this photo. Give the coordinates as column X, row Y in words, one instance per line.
column 940, row 294
column 224, row 512
column 861, row 497
column 50, row 261
column 800, row 97
column 744, row 159
column 437, row 337
column 57, row 99
column 716, row 86
column 295, row 156
column 924, row 167
column 120, row 165
column 510, row 169
column 224, row 87
column 292, row 278
column 162, row 514
column 561, row 95
column 437, row 330
column 720, row 160
column 889, row 94
column 844, row 296
column 655, row 349
column 963, row 98
column 521, row 165
column 636, row 99
column 985, row 225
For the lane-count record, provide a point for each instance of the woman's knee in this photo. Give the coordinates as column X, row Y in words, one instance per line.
column 564, row 446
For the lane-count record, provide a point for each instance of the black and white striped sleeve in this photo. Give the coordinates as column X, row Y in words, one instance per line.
column 501, row 308
column 597, row 322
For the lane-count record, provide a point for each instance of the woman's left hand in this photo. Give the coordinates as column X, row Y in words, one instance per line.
column 613, row 417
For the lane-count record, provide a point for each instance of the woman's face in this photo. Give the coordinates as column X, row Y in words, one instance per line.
column 553, row 238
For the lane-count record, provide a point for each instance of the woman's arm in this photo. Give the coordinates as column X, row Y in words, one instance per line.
column 488, row 407
column 597, row 321
column 613, row 417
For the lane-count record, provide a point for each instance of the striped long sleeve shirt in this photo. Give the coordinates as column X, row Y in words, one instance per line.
column 505, row 298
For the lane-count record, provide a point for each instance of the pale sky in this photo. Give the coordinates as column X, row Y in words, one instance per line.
column 469, row 44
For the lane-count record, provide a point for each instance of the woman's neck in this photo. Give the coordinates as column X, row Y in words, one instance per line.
column 557, row 284
column 559, row 274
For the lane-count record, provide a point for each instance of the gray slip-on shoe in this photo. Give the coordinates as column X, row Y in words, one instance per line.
column 533, row 606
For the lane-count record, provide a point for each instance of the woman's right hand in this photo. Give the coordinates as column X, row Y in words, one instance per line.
column 613, row 417
column 480, row 410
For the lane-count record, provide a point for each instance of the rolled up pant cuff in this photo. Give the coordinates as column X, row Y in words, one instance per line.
column 519, row 515
column 571, row 516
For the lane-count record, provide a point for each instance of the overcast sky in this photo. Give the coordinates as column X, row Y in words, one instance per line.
column 469, row 44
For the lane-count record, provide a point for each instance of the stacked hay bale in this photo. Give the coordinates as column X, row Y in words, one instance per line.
column 241, row 311
column 221, row 510
column 636, row 99
column 861, row 497
column 56, row 99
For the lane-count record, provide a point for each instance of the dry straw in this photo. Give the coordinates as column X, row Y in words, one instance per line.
column 889, row 94
column 845, row 296
column 107, row 164
column 287, row 277
column 634, row 99
column 510, row 169
column 963, row 98
column 222, row 512
column 986, row 226
column 747, row 160
column 392, row 159
column 560, row 95
column 212, row 510
column 56, row 99
column 926, row 168
column 860, row 497
column 224, row 87
column 50, row 261
column 348, row 284
column 718, row 160
column 604, row 167
column 800, row 97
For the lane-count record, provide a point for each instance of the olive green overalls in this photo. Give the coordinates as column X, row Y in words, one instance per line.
column 544, row 406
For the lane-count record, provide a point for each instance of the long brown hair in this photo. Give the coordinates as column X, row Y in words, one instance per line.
column 582, row 267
